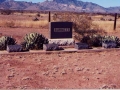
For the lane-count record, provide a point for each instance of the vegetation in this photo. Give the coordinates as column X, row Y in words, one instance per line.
column 108, row 39
column 87, row 28
column 6, row 40
column 34, row 41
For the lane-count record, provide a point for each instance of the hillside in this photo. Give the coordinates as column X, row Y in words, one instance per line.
column 57, row 5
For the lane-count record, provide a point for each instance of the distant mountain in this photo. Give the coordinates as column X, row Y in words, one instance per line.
column 57, row 5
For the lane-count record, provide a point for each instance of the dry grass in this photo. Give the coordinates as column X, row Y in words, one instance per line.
column 25, row 20
column 26, row 23
column 107, row 25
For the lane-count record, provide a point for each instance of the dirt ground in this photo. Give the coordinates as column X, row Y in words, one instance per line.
column 90, row 70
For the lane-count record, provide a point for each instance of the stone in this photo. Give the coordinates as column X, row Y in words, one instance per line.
column 60, row 30
column 14, row 48
column 109, row 45
column 51, row 47
column 62, row 42
column 81, row 46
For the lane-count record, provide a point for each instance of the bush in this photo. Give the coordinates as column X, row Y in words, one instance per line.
column 6, row 40
column 108, row 39
column 34, row 41
column 95, row 40
column 35, row 19
column 38, row 14
column 6, row 12
column 10, row 24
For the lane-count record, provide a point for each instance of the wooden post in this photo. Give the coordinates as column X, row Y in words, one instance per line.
column 115, row 21
column 49, row 17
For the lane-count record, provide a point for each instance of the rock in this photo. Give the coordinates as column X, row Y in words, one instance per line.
column 46, row 73
column 105, row 87
column 79, row 69
column 63, row 72
column 87, row 69
column 109, row 87
column 51, row 47
column 26, row 78
column 55, row 69
column 62, row 42
column 109, row 45
column 14, row 48
column 81, row 46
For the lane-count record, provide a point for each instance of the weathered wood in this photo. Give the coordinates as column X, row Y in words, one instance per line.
column 51, row 47
column 81, row 46
column 115, row 21
column 49, row 17
column 14, row 48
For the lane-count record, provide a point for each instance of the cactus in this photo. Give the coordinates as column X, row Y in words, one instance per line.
column 34, row 41
column 96, row 40
column 114, row 39
column 6, row 40
column 110, row 41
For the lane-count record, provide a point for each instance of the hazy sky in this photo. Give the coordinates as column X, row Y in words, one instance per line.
column 105, row 3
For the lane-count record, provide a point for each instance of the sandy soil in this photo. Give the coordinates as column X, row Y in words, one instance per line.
column 65, row 70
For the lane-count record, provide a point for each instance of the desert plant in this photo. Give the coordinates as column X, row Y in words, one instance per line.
column 34, row 41
column 93, row 41
column 38, row 14
column 10, row 24
column 35, row 19
column 108, row 39
column 6, row 40
column 6, row 12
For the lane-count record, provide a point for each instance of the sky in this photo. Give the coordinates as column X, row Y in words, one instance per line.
column 104, row 3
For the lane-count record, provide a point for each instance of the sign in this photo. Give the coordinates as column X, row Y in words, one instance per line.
column 60, row 30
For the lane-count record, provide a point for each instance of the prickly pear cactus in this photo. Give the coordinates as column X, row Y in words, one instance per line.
column 110, row 41
column 34, row 41
column 6, row 40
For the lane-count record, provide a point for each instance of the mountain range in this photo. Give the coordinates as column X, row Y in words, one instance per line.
column 57, row 5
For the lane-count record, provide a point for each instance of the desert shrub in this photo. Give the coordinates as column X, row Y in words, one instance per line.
column 6, row 40
column 6, row 12
column 97, row 40
column 92, row 41
column 102, row 19
column 108, row 39
column 9, row 24
column 34, row 41
column 38, row 14
column 35, row 19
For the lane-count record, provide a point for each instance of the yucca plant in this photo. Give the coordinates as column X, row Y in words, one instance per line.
column 6, row 40
column 34, row 41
